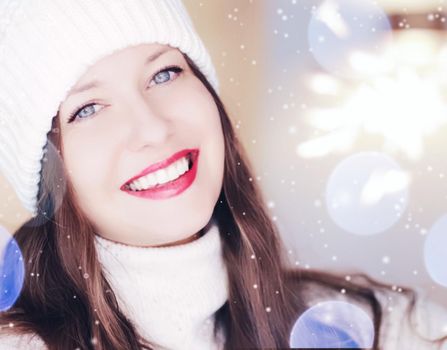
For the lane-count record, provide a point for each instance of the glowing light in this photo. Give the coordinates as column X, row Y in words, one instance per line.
column 382, row 183
column 12, row 270
column 329, row 14
column 404, row 104
column 333, row 324
column 435, row 251
column 324, row 84
column 339, row 27
column 335, row 142
column 367, row 193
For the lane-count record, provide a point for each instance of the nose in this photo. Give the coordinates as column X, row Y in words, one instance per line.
column 148, row 124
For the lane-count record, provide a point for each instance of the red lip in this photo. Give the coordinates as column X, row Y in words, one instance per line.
column 171, row 188
column 160, row 165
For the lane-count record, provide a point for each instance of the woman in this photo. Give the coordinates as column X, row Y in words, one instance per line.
column 147, row 231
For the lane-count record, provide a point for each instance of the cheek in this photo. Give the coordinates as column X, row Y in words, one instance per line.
column 86, row 160
column 198, row 108
column 211, row 136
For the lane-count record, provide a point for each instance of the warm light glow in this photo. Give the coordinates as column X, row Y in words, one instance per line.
column 404, row 104
column 328, row 13
column 325, row 84
column 382, row 183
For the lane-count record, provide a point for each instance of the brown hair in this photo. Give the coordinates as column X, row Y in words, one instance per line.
column 69, row 311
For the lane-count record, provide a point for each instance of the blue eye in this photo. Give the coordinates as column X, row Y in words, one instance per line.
column 165, row 74
column 162, row 76
column 81, row 112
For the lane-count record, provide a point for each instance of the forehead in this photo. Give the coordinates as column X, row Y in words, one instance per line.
column 132, row 56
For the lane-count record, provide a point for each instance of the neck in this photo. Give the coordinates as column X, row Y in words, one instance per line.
column 182, row 241
column 189, row 239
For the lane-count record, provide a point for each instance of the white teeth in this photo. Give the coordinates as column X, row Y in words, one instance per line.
column 172, row 172
column 179, row 167
column 144, row 182
column 151, row 179
column 161, row 176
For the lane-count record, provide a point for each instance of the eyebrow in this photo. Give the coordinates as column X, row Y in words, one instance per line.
column 97, row 83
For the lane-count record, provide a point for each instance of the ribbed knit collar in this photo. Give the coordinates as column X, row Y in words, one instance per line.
column 170, row 293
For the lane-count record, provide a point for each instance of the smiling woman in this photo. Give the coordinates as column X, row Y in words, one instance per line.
column 147, row 229
column 150, row 115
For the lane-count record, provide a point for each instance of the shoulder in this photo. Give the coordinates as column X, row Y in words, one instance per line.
column 12, row 341
column 412, row 323
column 409, row 320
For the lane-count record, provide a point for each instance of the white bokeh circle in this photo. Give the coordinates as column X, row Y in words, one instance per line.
column 367, row 193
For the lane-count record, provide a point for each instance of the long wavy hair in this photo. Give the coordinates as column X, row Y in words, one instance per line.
column 69, row 311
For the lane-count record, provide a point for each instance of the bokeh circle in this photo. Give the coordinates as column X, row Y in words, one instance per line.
column 367, row 193
column 333, row 324
column 12, row 270
column 342, row 35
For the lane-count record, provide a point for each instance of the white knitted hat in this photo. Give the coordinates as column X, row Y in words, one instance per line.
column 45, row 47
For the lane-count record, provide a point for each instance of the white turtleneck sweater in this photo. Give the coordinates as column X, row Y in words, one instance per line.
column 170, row 293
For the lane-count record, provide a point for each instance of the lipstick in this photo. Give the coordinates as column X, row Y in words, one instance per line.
column 171, row 188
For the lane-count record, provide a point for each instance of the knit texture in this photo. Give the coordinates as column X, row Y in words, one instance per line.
column 45, row 47
column 427, row 322
column 170, row 293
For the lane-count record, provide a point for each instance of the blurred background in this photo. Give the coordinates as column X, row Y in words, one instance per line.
column 341, row 105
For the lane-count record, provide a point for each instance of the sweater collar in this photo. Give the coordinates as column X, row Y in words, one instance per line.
column 170, row 293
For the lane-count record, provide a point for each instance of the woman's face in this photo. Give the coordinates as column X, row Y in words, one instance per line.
column 130, row 118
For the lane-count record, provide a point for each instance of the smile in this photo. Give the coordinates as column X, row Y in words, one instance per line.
column 165, row 179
